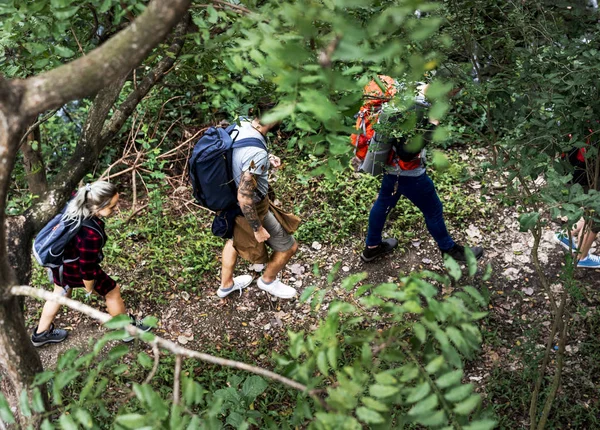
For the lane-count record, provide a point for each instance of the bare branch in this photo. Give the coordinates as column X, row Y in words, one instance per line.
column 177, row 378
column 38, row 123
column 164, row 343
column 87, row 75
column 155, row 366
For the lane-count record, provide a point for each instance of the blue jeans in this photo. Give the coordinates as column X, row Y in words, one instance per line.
column 421, row 192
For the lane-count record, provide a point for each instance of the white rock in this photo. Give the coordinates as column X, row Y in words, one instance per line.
column 257, row 267
column 528, row 291
column 316, row 245
column 297, row 269
column 346, row 269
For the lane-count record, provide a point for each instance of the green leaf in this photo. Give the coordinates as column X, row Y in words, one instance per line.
column 351, row 281
column 440, row 161
column 150, row 321
column 449, row 379
column 105, row 6
column 84, row 418
column 117, row 322
column 67, row 422
column 420, row 332
column 6, row 414
column 369, row 416
column 433, row 420
column 528, row 221
column 383, row 391
column 418, row 393
column 63, row 378
column 307, row 293
column 63, row 51
column 481, row 425
column 466, row 406
column 488, row 272
column 24, row 404
column 476, row 295
column 118, row 352
column 424, row 406
column 131, row 421
column 385, row 378
column 435, row 364
column 322, row 363
column 37, row 402
column 371, row 403
column 46, row 425
column 459, row 393
column 145, row 360
column 253, row 387
column 332, row 355
column 42, row 378
column 471, row 261
column 453, row 267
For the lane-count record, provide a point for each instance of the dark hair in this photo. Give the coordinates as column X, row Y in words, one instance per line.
column 262, row 105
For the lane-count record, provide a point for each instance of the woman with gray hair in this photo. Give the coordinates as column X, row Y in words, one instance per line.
column 82, row 257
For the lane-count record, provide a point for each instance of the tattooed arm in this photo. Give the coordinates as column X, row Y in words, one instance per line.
column 246, row 191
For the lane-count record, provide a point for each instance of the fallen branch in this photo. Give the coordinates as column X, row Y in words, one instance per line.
column 164, row 343
column 177, row 380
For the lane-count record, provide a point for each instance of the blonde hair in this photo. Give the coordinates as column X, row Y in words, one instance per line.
column 88, row 200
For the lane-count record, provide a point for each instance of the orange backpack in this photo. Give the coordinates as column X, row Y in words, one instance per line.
column 368, row 114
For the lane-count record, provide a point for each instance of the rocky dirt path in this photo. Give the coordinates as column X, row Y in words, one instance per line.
column 258, row 324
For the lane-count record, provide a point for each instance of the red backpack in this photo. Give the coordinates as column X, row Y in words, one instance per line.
column 368, row 114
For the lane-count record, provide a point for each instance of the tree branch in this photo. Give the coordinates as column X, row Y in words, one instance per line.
column 177, row 380
column 97, row 133
column 128, row 106
column 164, row 343
column 87, row 75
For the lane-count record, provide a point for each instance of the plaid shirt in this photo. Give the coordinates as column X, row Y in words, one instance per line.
column 86, row 250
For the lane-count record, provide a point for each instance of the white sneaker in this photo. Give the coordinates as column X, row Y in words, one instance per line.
column 239, row 283
column 277, row 288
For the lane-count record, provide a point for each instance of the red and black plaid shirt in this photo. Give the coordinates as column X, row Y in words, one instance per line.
column 86, row 250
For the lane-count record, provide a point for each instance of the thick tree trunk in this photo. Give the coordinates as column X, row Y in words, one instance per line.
column 20, row 102
column 18, row 360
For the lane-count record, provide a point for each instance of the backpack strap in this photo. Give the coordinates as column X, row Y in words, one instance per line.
column 93, row 224
column 250, row 141
column 242, row 143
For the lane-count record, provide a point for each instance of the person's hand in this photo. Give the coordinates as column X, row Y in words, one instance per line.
column 261, row 235
column 275, row 161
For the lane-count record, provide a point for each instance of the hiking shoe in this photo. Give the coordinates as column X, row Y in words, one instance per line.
column 139, row 324
column 239, row 283
column 277, row 289
column 590, row 262
column 458, row 252
column 563, row 240
column 387, row 245
column 52, row 335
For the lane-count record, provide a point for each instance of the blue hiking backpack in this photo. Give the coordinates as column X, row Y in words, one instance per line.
column 210, row 167
column 50, row 243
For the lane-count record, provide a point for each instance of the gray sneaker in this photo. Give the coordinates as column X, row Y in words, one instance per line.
column 52, row 335
column 139, row 324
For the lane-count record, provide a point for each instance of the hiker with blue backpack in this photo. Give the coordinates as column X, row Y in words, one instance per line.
column 402, row 163
column 229, row 171
column 71, row 247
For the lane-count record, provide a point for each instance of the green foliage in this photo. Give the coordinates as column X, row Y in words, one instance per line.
column 409, row 370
